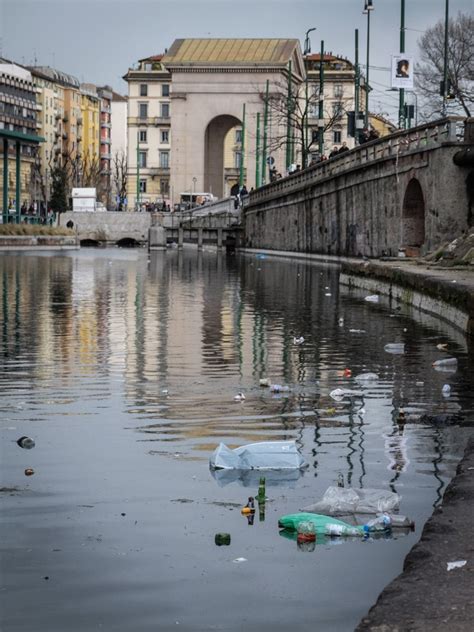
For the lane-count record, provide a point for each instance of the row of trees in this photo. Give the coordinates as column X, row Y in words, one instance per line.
column 291, row 109
column 57, row 182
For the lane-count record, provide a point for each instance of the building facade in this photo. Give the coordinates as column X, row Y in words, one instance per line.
column 18, row 132
column 149, row 133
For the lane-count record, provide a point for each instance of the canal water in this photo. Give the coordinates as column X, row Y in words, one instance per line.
column 123, row 367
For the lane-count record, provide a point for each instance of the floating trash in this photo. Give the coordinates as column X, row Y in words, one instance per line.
column 26, row 443
column 240, row 397
column 298, row 340
column 366, row 377
column 395, row 347
column 373, row 298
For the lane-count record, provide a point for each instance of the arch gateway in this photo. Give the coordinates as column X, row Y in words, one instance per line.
column 212, row 80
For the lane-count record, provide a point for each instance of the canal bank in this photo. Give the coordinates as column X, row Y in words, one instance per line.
column 426, row 595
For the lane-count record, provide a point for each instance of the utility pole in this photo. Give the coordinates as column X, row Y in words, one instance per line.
column 307, row 50
column 356, row 88
column 445, row 69
column 401, row 107
column 288, row 118
column 241, row 175
column 265, row 136
column 321, row 102
column 138, row 171
column 368, row 8
column 257, row 154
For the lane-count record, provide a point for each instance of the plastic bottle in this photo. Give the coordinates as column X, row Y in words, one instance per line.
column 398, row 520
column 381, row 522
column 340, row 530
column 261, row 490
column 446, row 362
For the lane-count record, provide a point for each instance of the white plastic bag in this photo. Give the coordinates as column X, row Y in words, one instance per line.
column 343, row 500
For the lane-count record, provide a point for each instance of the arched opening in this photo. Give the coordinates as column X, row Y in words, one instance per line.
column 127, row 242
column 214, row 153
column 89, row 243
column 413, row 216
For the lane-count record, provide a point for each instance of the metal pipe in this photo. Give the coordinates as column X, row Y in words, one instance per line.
column 321, row 101
column 288, row 118
column 5, row 181
column 265, row 136
column 17, row 183
column 241, row 174
column 356, row 87
column 401, row 106
column 257, row 153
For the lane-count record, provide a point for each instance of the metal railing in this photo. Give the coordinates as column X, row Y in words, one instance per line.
column 423, row 137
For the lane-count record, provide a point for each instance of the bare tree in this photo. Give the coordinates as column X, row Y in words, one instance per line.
column 460, row 67
column 119, row 164
column 290, row 116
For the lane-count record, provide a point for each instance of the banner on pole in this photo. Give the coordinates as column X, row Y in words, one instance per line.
column 402, row 71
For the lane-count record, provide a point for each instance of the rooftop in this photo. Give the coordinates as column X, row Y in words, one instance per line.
column 220, row 52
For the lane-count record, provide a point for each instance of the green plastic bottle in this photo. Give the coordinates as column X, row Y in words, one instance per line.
column 261, row 490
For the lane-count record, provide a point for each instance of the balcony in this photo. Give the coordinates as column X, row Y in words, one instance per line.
column 105, row 141
column 159, row 171
column 105, row 124
column 79, row 121
column 105, row 156
column 105, row 108
column 162, row 120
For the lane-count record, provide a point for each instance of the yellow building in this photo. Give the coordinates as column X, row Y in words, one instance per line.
column 89, row 123
column 381, row 125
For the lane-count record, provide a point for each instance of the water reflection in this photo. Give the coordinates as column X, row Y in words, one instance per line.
column 123, row 367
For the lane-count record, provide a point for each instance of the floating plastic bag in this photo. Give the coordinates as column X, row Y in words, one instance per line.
column 271, row 455
column 344, row 500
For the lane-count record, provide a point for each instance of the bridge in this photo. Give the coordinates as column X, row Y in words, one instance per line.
column 213, row 224
column 403, row 194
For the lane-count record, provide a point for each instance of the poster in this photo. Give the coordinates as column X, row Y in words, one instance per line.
column 402, row 71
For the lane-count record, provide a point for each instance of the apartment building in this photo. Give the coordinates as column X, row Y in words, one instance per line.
column 149, row 132
column 18, row 131
column 339, row 76
column 89, row 123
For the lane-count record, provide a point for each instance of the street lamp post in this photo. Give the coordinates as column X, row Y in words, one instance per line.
column 193, row 200
column 401, row 101
column 307, row 50
column 445, row 66
column 368, row 7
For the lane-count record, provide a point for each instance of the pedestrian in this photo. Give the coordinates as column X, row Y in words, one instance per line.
column 373, row 134
column 343, row 148
column 334, row 152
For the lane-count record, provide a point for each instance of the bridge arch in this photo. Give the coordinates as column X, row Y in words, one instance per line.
column 413, row 215
column 127, row 242
column 214, row 141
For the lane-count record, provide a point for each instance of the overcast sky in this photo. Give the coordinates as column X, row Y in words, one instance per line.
column 98, row 40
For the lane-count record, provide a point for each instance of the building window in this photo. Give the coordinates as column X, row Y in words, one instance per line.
column 165, row 90
column 238, row 136
column 164, row 159
column 164, row 187
column 314, row 135
column 142, row 186
column 237, row 159
column 337, row 136
column 143, row 110
column 142, row 159
column 143, row 90
column 165, row 110
column 338, row 89
column 142, row 136
column 337, row 109
column 165, row 136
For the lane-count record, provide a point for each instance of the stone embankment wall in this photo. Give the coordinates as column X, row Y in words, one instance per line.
column 46, row 242
column 372, row 201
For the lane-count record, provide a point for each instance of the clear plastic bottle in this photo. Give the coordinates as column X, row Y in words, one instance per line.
column 382, row 522
column 341, row 530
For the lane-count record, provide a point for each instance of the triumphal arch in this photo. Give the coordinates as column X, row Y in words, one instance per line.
column 212, row 81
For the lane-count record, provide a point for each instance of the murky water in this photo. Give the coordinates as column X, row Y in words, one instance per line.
column 123, row 368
